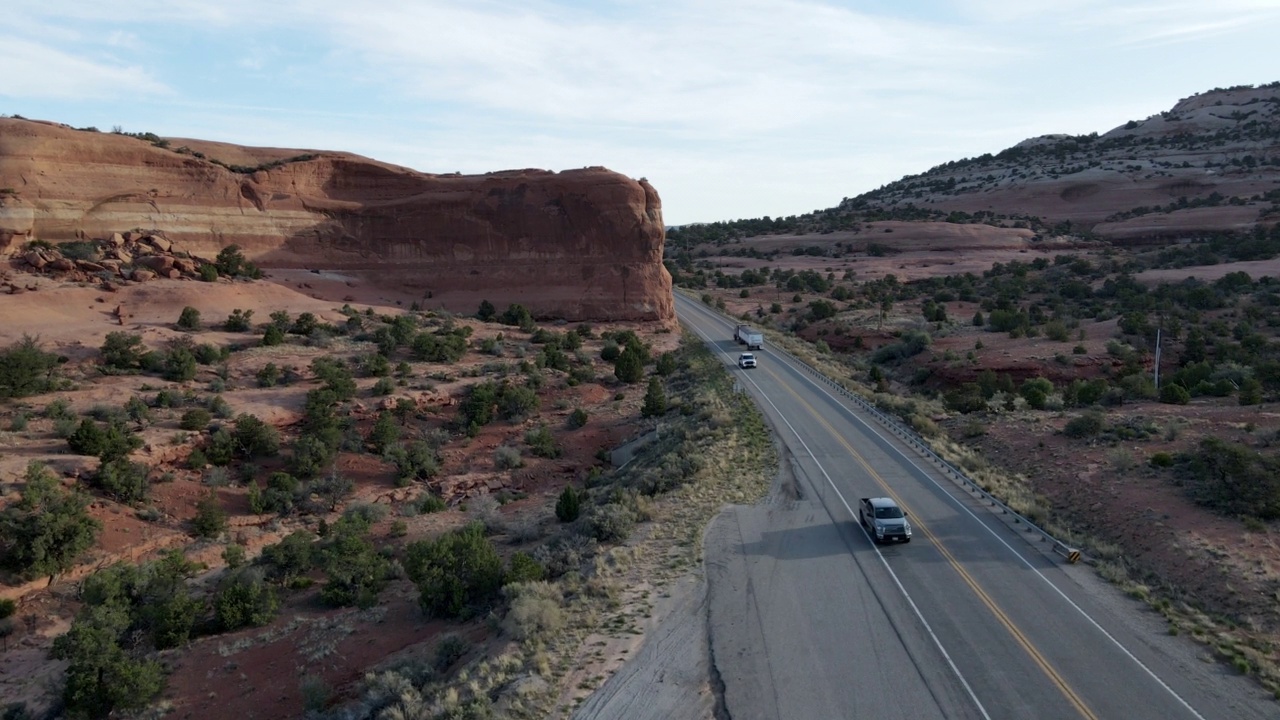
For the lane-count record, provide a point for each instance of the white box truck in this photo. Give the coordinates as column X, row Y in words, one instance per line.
column 753, row 339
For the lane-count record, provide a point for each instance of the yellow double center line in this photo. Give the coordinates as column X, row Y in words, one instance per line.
column 1000, row 615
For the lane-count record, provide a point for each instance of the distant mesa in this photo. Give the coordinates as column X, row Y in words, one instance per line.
column 579, row 244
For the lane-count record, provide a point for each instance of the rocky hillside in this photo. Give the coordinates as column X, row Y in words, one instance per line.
column 579, row 244
column 1210, row 164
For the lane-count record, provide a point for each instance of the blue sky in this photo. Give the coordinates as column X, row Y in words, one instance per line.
column 731, row 108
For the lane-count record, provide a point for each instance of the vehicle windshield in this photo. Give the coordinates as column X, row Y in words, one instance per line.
column 888, row 512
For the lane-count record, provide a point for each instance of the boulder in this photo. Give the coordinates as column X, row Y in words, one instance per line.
column 185, row 266
column 61, row 264
column 116, row 240
column 159, row 243
column 123, row 255
column 142, row 275
column 89, row 266
column 159, row 263
column 35, row 260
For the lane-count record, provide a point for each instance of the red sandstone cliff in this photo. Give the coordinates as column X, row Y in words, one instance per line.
column 579, row 244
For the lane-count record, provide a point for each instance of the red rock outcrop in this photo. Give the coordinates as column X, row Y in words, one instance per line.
column 578, row 244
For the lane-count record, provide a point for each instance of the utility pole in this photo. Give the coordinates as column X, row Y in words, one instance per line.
column 1157, row 359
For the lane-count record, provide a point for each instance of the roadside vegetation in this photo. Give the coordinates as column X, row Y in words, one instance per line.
column 533, row 589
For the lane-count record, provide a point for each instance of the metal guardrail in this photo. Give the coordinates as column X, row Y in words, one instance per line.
column 918, row 444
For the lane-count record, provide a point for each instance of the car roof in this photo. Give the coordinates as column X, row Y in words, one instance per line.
column 882, row 502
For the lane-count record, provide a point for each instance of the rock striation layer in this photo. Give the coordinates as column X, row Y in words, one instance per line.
column 579, row 244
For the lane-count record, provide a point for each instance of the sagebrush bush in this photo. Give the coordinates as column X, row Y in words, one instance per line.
column 535, row 609
column 1084, row 426
column 506, row 457
column 611, row 522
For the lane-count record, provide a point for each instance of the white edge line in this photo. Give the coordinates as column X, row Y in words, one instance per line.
column 936, row 641
column 1002, row 541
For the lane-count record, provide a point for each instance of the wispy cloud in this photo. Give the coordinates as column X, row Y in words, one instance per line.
column 35, row 70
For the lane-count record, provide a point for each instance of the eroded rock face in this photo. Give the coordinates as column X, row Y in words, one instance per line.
column 579, row 244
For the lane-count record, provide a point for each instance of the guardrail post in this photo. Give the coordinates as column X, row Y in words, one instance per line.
column 1071, row 554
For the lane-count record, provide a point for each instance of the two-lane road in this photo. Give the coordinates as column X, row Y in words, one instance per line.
column 810, row 619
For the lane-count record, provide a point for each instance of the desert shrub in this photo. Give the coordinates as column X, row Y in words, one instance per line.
column 383, row 387
column 487, row 311
column 541, row 442
column 356, row 572
column 137, row 410
column 195, row 419
column 290, row 558
column 255, row 438
column 458, row 574
column 268, row 376
column 178, row 364
column 336, row 376
column 577, row 418
column 384, row 433
column 58, row 409
column 107, row 442
column 450, row 650
column 567, row 553
column 666, row 364
column 211, row 519
column 611, row 522
column 1233, row 479
column 8, row 606
column 189, row 319
column 101, row 676
column 506, row 457
column 535, row 609
column 332, row 488
column 415, row 461
column 568, row 505
column 655, row 399
column 516, row 401
column 233, row 555
column 244, row 599
column 273, row 335
column 232, row 263
column 629, row 367
column 221, row 448
column 123, row 480
column 311, row 456
column 122, row 351
column 912, row 342
column 25, row 369
column 48, row 528
column 207, row 354
column 439, row 348
column 1084, row 426
column 431, row 503
column 1161, row 460
column 238, row 321
column 1056, row 330
column 208, row 273
column 1036, row 392
column 1174, row 394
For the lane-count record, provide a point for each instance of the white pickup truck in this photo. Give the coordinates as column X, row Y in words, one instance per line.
column 746, row 360
column 884, row 520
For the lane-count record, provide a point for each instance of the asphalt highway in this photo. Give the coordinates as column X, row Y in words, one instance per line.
column 974, row 618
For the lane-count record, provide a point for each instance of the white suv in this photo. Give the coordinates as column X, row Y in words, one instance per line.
column 746, row 360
